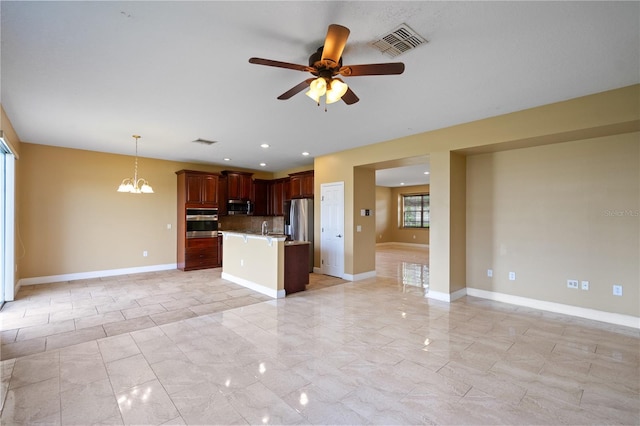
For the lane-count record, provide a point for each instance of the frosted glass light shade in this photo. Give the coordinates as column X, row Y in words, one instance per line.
column 337, row 91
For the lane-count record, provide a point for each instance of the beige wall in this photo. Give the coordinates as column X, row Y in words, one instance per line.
column 254, row 261
column 384, row 214
column 72, row 220
column 558, row 212
column 614, row 112
column 389, row 216
column 365, row 235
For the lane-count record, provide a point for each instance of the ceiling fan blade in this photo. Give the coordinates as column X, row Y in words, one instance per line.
column 372, row 69
column 271, row 63
column 334, row 44
column 296, row 89
column 349, row 97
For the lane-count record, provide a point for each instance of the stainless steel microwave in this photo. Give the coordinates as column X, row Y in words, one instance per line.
column 239, row 207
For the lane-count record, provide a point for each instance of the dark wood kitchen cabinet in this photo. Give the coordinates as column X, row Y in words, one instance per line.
column 197, row 189
column 262, row 197
column 200, row 253
column 301, row 184
column 238, row 185
column 279, row 193
column 296, row 267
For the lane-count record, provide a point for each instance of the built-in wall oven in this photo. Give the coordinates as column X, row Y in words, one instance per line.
column 202, row 223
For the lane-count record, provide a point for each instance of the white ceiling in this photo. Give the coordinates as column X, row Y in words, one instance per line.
column 90, row 74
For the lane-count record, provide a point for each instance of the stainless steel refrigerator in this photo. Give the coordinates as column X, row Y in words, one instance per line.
column 298, row 222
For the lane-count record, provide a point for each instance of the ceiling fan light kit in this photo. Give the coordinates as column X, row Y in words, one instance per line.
column 325, row 64
column 333, row 89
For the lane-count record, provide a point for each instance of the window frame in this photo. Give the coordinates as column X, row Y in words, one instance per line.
column 422, row 210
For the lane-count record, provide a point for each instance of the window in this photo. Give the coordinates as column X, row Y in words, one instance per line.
column 7, row 202
column 415, row 211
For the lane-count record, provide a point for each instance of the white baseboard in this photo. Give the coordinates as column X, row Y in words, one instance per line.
column 446, row 297
column 391, row 243
column 359, row 277
column 349, row 277
column 576, row 311
column 94, row 274
column 276, row 294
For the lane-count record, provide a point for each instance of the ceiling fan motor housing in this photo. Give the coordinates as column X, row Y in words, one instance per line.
column 315, row 61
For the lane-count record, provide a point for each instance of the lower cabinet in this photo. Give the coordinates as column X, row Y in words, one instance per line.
column 296, row 267
column 201, row 253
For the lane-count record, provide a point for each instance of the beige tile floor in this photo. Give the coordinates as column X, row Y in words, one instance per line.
column 369, row 352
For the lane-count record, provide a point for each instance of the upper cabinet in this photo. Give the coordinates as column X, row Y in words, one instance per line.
column 279, row 193
column 239, row 185
column 198, row 189
column 301, row 185
column 261, row 197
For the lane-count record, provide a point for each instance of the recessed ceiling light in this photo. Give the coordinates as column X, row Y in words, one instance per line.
column 263, row 164
column 227, row 159
column 265, row 145
column 305, row 153
column 426, row 173
column 401, row 183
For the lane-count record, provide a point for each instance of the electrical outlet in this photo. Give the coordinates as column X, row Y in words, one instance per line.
column 617, row 290
column 490, row 273
column 168, row 226
column 585, row 285
column 241, row 262
column 572, row 283
column 145, row 254
column 512, row 276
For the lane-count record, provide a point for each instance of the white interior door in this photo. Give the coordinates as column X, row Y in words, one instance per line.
column 332, row 229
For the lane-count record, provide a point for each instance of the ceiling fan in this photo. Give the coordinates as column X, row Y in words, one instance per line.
column 326, row 64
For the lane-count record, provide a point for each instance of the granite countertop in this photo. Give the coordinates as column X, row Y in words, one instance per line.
column 296, row 243
column 270, row 235
column 254, row 233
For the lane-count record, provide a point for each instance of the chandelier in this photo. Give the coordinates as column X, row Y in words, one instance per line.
column 135, row 185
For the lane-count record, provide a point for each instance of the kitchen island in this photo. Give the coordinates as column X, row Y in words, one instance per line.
column 259, row 262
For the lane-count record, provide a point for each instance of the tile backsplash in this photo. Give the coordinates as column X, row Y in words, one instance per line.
column 251, row 223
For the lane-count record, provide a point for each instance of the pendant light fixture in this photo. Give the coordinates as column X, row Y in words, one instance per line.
column 135, row 185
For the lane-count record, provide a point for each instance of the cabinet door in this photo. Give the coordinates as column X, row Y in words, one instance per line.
column 222, row 195
column 261, row 197
column 233, row 186
column 210, row 190
column 246, row 186
column 277, row 198
column 295, row 187
column 194, row 189
column 307, row 185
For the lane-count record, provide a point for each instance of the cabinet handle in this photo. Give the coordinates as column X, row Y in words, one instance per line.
column 339, row 236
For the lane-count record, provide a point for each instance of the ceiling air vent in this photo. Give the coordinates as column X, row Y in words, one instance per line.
column 398, row 41
column 204, row 141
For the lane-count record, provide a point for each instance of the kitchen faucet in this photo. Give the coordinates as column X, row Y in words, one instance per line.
column 265, row 228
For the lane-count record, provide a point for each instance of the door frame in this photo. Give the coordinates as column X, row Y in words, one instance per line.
column 323, row 186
